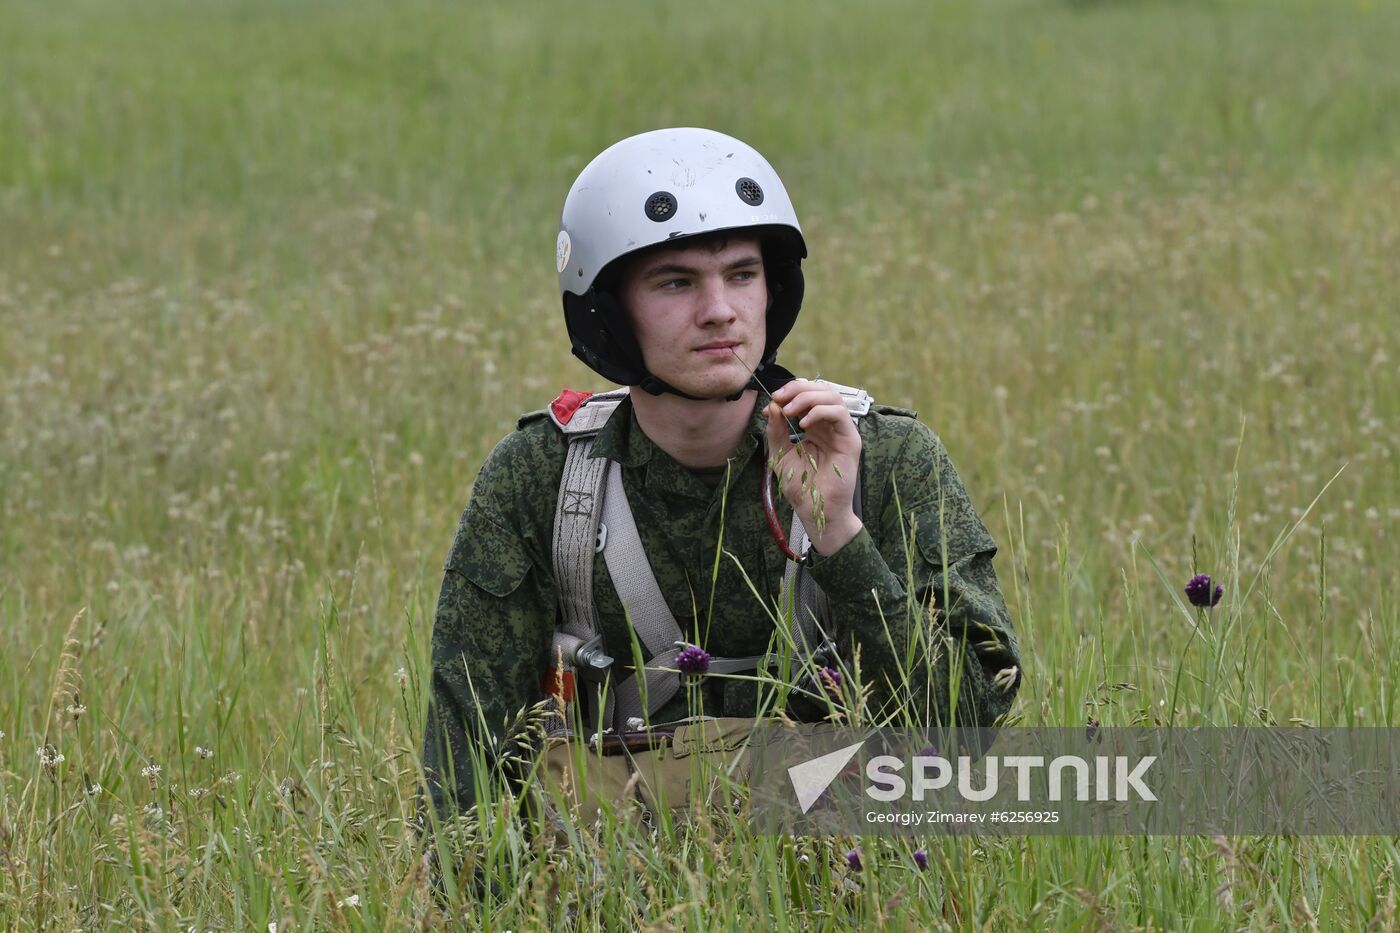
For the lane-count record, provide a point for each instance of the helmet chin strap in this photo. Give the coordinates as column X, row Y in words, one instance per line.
column 656, row 386
column 775, row 376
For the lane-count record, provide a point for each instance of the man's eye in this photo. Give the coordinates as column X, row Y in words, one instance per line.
column 745, row 275
column 673, row 284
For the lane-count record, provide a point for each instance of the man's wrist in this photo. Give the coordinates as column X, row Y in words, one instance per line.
column 848, row 575
column 836, row 535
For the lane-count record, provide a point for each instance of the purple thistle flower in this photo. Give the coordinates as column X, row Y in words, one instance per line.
column 1198, row 591
column 693, row 659
column 853, row 859
column 831, row 679
column 921, row 859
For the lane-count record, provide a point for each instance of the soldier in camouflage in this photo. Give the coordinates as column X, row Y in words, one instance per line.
column 679, row 261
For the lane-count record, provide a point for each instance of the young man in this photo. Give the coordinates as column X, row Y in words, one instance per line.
column 679, row 261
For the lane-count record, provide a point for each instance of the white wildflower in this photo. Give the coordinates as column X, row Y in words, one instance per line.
column 351, row 901
column 49, row 760
column 203, row 752
column 152, row 775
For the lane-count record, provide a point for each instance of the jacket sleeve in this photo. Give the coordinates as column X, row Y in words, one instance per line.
column 926, row 600
column 491, row 633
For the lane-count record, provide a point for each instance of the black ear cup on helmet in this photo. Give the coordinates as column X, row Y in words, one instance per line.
column 782, row 266
column 602, row 336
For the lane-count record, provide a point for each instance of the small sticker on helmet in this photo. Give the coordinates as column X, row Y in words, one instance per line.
column 562, row 248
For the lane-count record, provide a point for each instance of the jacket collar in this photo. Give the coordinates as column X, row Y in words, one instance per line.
column 622, row 439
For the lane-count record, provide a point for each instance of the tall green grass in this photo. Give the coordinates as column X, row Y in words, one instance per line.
column 274, row 278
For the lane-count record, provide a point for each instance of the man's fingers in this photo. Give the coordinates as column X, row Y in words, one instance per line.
column 779, row 443
column 834, row 414
column 788, row 391
column 807, row 399
column 792, row 385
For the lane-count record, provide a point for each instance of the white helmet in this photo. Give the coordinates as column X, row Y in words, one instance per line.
column 662, row 187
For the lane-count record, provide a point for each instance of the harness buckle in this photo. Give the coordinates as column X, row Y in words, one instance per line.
column 591, row 659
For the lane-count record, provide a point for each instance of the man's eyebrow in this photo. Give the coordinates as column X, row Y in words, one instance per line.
column 675, row 268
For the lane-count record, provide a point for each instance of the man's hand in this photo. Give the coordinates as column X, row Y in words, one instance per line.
column 833, row 442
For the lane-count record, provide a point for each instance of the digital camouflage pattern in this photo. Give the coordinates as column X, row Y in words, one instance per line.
column 496, row 613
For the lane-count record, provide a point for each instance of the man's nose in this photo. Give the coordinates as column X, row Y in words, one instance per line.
column 715, row 306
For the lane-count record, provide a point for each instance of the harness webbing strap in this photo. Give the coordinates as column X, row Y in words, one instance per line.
column 798, row 588
column 631, row 572
column 636, row 586
column 576, row 517
column 575, row 537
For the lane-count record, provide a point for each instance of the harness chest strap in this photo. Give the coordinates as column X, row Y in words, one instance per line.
column 582, row 529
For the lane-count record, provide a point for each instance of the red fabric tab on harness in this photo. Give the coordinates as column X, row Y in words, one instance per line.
column 559, row 684
column 567, row 403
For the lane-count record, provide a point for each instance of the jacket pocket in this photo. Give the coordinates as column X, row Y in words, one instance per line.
column 488, row 555
column 957, row 537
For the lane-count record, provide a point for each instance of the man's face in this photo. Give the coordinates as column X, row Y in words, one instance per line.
column 694, row 309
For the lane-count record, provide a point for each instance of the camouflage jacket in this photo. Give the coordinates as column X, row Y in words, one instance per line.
column 496, row 614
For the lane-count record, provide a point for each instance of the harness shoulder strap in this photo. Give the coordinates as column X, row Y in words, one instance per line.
column 576, row 515
column 576, row 512
column 641, row 598
column 584, row 413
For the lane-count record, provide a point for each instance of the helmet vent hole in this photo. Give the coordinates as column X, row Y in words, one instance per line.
column 749, row 191
column 661, row 207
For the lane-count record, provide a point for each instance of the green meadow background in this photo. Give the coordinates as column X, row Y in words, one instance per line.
column 274, row 277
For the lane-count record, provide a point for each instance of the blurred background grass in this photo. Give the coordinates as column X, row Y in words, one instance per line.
column 274, row 278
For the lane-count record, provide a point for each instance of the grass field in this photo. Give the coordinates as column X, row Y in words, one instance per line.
column 275, row 277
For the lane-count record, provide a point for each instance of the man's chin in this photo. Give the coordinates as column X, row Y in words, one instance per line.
column 717, row 391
